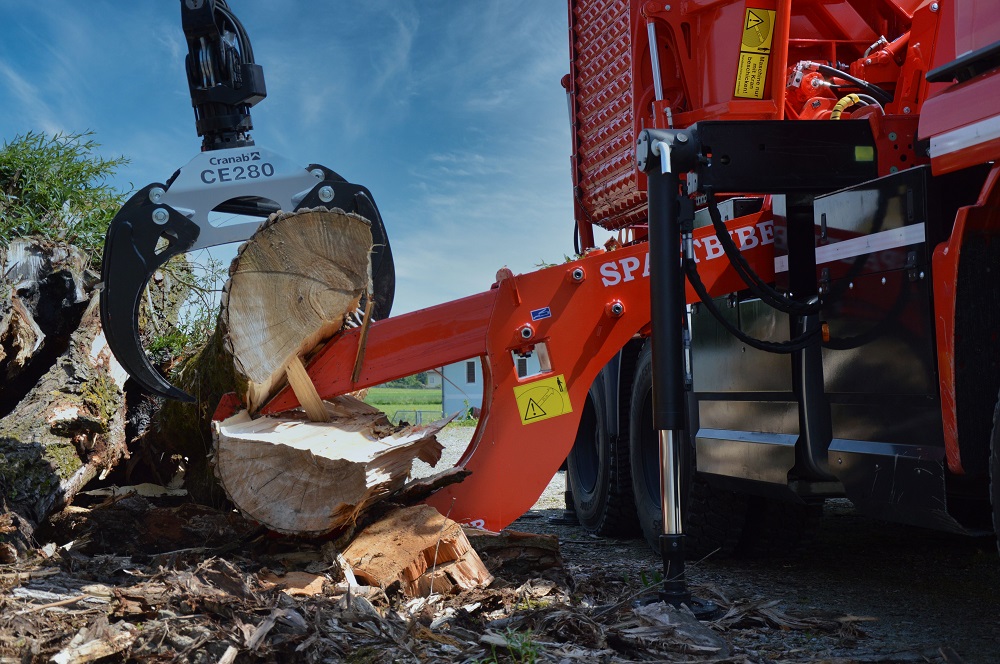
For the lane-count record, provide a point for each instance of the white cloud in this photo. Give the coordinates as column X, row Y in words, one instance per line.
column 450, row 112
column 29, row 103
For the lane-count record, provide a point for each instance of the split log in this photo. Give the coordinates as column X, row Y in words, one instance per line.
column 68, row 424
column 310, row 478
column 292, row 286
column 420, row 550
column 289, row 290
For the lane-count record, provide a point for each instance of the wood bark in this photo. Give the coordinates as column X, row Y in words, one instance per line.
column 69, row 424
column 310, row 478
column 419, row 549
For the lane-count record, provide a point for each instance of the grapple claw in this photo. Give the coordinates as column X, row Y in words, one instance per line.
column 133, row 251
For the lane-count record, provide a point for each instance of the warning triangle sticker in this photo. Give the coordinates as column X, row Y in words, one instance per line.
column 533, row 411
column 753, row 20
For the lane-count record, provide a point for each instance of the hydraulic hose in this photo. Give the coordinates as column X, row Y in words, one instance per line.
column 757, row 286
column 881, row 95
column 781, row 347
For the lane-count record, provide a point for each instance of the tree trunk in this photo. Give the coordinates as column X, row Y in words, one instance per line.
column 69, row 425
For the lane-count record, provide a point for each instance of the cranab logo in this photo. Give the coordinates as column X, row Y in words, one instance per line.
column 235, row 159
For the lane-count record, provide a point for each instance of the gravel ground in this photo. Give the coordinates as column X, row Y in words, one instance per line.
column 918, row 595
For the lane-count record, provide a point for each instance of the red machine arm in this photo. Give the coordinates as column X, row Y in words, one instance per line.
column 576, row 316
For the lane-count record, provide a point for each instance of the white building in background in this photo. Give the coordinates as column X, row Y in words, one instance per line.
column 433, row 378
column 462, row 387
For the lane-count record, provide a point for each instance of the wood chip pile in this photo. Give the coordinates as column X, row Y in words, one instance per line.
column 252, row 597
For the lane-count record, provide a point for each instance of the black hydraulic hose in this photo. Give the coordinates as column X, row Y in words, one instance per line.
column 757, row 286
column 781, row 347
column 872, row 89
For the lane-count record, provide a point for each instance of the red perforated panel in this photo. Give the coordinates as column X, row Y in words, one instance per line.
column 607, row 192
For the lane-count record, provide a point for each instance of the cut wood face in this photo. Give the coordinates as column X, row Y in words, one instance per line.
column 419, row 548
column 289, row 290
column 309, row 478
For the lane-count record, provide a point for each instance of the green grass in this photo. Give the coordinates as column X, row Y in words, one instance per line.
column 390, row 409
column 379, row 396
column 391, row 399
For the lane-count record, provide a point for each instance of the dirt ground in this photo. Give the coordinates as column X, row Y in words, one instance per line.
column 909, row 595
column 163, row 580
column 915, row 594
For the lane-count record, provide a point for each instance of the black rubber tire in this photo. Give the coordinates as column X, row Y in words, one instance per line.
column 597, row 473
column 713, row 519
column 995, row 472
column 777, row 528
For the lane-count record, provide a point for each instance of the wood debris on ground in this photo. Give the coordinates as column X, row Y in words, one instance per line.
column 255, row 597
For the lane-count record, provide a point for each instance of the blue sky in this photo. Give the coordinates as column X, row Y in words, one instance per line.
column 450, row 112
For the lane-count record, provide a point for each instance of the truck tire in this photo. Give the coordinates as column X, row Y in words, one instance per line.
column 597, row 473
column 995, row 472
column 713, row 519
column 777, row 528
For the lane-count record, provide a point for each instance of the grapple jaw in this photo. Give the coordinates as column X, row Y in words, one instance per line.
column 133, row 252
column 160, row 221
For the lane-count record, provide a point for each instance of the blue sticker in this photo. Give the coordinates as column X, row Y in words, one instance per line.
column 539, row 314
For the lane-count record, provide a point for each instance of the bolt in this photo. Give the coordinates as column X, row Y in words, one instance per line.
column 527, row 332
column 617, row 309
column 666, row 8
column 682, row 138
column 883, row 281
column 921, row 274
column 816, row 104
column 326, row 194
column 318, row 173
column 850, row 285
column 160, row 216
column 155, row 194
column 868, row 61
column 906, row 109
column 892, row 135
column 934, row 6
column 577, row 274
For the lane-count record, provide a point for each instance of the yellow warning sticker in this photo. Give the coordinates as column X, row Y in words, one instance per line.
column 750, row 76
column 542, row 399
column 758, row 30
column 755, row 49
